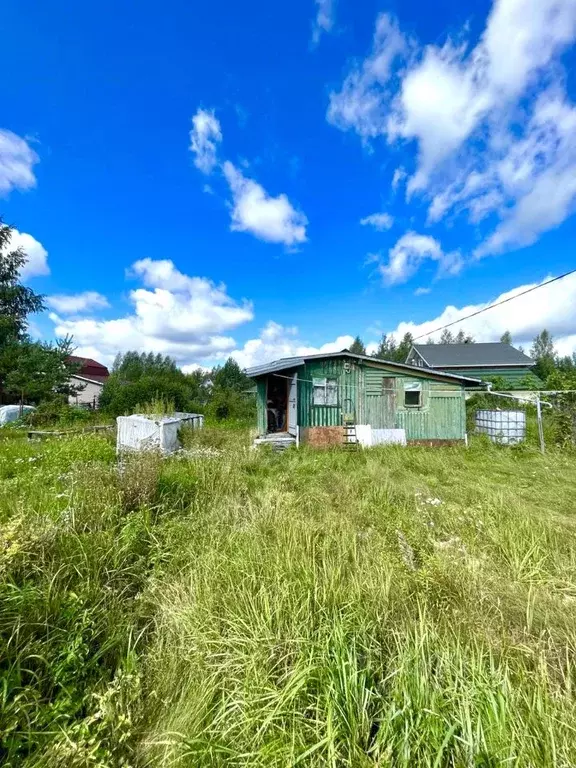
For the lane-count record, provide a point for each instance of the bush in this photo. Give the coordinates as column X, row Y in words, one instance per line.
column 54, row 412
column 229, row 404
column 124, row 397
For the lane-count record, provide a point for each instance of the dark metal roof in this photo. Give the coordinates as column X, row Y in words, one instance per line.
column 288, row 363
column 92, row 379
column 471, row 355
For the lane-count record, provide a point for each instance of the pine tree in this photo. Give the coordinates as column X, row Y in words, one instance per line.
column 17, row 301
column 357, row 347
column 544, row 353
column 446, row 337
column 463, row 338
column 387, row 348
column 404, row 348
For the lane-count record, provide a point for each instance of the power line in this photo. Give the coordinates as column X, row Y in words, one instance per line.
column 496, row 304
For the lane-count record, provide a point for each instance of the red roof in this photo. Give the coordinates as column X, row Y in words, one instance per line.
column 90, row 369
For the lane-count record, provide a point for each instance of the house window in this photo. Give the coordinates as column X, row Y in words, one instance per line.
column 325, row 391
column 412, row 394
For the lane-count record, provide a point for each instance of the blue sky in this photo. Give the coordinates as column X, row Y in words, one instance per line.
column 263, row 179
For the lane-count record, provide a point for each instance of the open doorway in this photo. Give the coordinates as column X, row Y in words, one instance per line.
column 276, row 403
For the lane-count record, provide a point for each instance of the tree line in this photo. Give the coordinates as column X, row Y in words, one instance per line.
column 140, row 378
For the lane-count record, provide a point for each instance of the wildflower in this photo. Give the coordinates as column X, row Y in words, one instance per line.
column 433, row 502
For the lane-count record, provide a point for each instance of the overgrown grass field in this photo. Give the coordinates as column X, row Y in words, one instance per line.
column 391, row 607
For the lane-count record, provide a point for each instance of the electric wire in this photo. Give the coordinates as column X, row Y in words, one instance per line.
column 496, row 304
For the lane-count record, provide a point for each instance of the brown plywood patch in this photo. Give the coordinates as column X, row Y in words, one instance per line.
column 322, row 437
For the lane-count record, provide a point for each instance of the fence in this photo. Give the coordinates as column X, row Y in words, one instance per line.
column 511, row 419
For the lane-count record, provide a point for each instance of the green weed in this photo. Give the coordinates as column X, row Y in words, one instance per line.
column 230, row 607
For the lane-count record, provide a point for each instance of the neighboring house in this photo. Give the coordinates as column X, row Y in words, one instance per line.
column 482, row 361
column 87, row 381
column 319, row 398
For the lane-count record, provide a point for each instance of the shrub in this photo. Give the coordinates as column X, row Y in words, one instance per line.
column 56, row 412
column 228, row 404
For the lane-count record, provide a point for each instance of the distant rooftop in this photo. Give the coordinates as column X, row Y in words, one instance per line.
column 89, row 369
column 471, row 355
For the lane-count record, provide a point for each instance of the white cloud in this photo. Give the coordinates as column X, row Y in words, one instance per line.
column 380, row 221
column 205, row 137
column 410, row 251
column 398, row 177
column 324, row 21
column 494, row 131
column 37, row 256
column 71, row 304
column 174, row 314
column 277, row 341
column 17, row 160
column 422, row 291
column 552, row 307
column 193, row 367
column 362, row 103
column 272, row 219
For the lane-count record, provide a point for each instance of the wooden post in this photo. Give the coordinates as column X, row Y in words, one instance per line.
column 540, row 428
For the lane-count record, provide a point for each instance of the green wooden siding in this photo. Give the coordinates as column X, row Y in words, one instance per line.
column 443, row 418
column 512, row 376
column 374, row 395
column 350, row 378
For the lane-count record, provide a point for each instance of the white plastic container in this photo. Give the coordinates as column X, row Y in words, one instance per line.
column 504, row 427
column 150, row 433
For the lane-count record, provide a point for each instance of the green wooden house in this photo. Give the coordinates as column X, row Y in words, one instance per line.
column 493, row 361
column 340, row 397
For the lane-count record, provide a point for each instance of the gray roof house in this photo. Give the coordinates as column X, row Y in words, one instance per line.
column 483, row 361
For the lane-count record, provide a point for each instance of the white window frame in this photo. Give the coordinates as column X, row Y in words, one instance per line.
column 325, row 391
column 413, row 386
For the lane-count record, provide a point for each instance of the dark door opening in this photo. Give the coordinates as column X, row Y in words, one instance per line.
column 276, row 403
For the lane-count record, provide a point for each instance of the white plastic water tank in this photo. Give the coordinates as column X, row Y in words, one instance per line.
column 505, row 427
column 153, row 433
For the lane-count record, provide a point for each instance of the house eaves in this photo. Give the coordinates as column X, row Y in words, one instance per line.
column 295, row 362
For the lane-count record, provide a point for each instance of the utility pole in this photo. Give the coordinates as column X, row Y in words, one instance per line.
column 540, row 428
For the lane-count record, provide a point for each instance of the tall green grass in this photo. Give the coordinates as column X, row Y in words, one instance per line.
column 392, row 607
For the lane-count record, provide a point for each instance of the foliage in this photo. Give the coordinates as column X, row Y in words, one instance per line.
column 544, row 353
column 506, row 338
column 388, row 349
column 391, row 607
column 16, row 300
column 447, row 337
column 39, row 371
column 231, row 393
column 140, row 378
column 404, row 347
column 230, row 377
column 56, row 412
column 357, row 347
